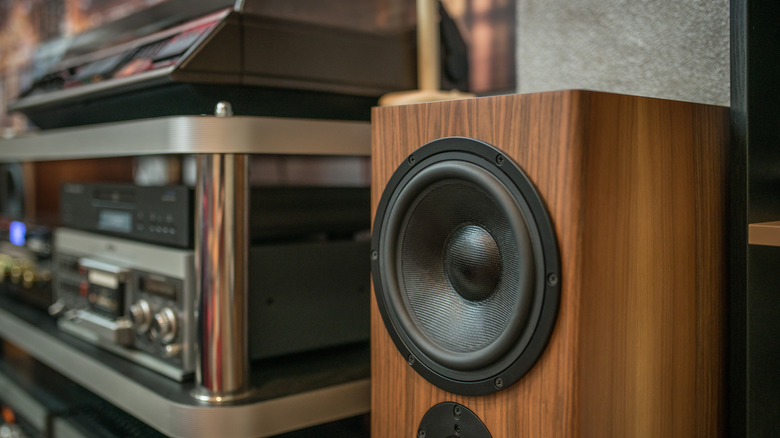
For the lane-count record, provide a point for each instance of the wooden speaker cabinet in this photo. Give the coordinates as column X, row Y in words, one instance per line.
column 552, row 263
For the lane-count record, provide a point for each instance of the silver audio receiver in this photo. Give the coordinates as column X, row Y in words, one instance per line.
column 132, row 298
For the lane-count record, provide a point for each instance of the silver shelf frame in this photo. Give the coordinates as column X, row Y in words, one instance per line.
column 219, row 143
column 193, row 135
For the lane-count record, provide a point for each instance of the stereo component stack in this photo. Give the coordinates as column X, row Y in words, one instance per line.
column 125, row 279
column 25, row 261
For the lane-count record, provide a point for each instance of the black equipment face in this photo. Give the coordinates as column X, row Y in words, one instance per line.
column 162, row 215
column 465, row 266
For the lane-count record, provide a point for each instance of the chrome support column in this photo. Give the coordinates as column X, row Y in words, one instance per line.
column 221, row 253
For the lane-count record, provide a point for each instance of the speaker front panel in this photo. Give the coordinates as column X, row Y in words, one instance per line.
column 466, row 266
column 633, row 190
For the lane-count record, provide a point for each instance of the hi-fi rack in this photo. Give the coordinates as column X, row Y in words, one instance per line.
column 276, row 398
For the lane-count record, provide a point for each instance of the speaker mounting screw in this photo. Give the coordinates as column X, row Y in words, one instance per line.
column 374, row 255
column 421, row 433
column 457, row 429
column 499, row 383
column 552, row 279
column 410, row 359
column 456, row 411
column 499, row 159
column 411, row 160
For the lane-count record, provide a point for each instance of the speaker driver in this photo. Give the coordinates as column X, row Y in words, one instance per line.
column 465, row 266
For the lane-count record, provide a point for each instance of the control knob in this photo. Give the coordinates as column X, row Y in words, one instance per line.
column 164, row 325
column 141, row 315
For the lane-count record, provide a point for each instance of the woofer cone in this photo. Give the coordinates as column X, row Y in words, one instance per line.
column 463, row 248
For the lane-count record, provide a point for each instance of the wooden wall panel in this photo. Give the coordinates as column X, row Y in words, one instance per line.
column 47, row 177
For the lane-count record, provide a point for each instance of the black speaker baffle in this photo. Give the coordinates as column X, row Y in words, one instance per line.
column 451, row 420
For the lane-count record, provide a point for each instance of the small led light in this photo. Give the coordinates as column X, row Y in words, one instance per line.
column 17, row 233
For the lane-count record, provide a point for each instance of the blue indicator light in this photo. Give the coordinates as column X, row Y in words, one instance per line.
column 17, row 233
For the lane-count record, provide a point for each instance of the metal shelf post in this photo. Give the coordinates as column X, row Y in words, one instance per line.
column 221, row 257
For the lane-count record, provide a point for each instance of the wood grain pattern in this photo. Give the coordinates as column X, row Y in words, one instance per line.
column 636, row 190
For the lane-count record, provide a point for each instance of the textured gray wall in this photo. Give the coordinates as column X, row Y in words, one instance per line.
column 673, row 49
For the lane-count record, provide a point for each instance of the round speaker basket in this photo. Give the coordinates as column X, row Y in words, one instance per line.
column 465, row 266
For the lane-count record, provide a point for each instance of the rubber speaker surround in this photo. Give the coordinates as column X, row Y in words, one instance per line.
column 465, row 266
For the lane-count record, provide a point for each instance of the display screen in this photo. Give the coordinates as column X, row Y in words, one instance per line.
column 160, row 286
column 118, row 221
